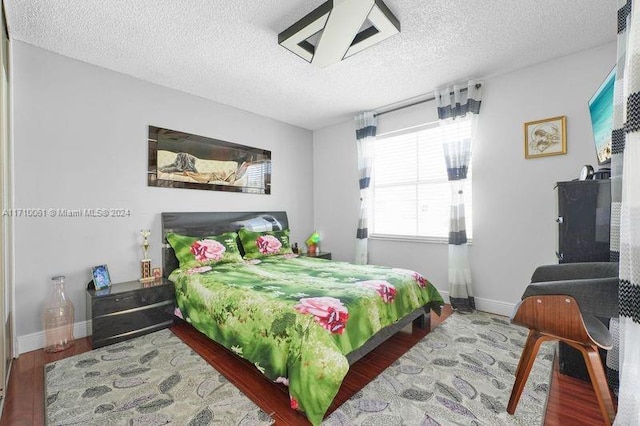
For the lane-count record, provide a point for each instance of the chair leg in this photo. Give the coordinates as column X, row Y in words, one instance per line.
column 599, row 381
column 528, row 357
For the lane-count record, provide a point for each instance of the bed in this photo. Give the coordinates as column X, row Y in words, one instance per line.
column 300, row 320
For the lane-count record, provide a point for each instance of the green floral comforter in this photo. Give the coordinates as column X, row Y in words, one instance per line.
column 295, row 317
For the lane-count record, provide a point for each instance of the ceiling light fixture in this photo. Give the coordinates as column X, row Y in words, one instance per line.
column 338, row 29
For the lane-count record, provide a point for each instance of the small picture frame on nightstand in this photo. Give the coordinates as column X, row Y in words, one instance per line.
column 101, row 278
column 157, row 273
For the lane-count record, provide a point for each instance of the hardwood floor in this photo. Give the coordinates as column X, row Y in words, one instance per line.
column 571, row 401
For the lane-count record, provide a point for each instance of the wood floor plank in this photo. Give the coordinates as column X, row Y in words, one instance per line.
column 18, row 405
column 571, row 401
column 40, row 359
column 569, row 391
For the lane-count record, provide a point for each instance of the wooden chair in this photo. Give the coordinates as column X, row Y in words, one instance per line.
column 558, row 317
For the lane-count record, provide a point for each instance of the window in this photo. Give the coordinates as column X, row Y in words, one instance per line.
column 410, row 189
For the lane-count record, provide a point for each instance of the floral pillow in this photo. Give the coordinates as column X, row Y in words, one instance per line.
column 261, row 244
column 194, row 252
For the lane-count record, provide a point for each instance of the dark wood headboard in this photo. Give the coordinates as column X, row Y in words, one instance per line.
column 203, row 224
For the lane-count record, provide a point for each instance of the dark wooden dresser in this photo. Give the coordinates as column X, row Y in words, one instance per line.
column 129, row 309
column 584, row 216
column 584, row 220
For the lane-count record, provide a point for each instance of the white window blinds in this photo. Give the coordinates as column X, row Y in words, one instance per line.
column 411, row 194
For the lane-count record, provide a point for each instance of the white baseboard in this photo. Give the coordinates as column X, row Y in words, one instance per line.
column 495, row 307
column 34, row 341
column 487, row 305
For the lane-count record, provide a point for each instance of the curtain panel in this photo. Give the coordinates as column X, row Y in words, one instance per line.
column 626, row 184
column 618, row 136
column 454, row 105
column 366, row 124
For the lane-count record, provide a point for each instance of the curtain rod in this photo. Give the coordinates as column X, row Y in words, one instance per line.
column 464, row 89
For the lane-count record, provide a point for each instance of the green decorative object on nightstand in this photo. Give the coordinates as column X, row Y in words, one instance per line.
column 312, row 243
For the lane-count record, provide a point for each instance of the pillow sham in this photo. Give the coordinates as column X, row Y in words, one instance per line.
column 194, row 251
column 263, row 244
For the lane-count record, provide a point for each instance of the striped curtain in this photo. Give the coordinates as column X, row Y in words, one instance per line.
column 365, row 136
column 455, row 105
column 626, row 204
column 617, row 148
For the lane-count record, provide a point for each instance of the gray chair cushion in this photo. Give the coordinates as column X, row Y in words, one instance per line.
column 597, row 296
column 598, row 331
column 594, row 285
column 575, row 271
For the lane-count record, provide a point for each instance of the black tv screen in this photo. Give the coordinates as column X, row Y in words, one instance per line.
column 601, row 111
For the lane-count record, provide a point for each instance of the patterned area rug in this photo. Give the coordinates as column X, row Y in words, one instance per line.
column 460, row 374
column 151, row 380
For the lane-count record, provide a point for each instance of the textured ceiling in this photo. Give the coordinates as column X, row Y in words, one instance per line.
column 228, row 51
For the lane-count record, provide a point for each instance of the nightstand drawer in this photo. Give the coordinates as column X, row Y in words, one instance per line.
column 125, row 322
column 115, row 303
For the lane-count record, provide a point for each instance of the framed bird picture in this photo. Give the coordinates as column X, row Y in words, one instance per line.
column 545, row 137
column 183, row 160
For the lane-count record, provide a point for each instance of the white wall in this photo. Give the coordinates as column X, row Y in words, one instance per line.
column 515, row 203
column 81, row 142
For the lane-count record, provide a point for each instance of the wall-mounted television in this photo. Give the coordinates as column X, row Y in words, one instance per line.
column 601, row 110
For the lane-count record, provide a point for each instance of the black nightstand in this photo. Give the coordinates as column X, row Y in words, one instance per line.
column 320, row 254
column 130, row 309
